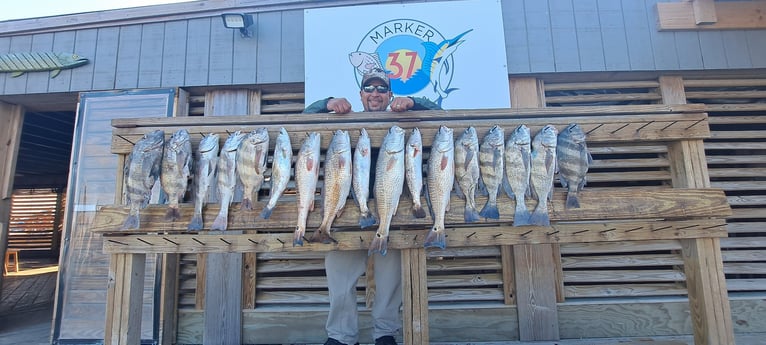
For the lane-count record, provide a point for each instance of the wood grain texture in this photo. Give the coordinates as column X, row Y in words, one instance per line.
column 223, row 299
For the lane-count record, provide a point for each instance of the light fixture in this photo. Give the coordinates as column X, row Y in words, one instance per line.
column 240, row 21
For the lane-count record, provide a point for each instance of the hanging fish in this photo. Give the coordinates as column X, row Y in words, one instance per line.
column 491, row 166
column 176, row 168
column 573, row 160
column 389, row 182
column 205, row 171
column 518, row 167
column 541, row 177
column 142, row 169
column 467, row 171
column 227, row 178
column 306, row 178
column 413, row 168
column 280, row 171
column 337, row 184
column 20, row 63
column 441, row 177
column 251, row 164
column 360, row 181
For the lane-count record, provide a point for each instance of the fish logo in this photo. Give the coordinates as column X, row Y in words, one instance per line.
column 417, row 58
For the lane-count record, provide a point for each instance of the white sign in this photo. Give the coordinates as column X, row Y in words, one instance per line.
column 452, row 53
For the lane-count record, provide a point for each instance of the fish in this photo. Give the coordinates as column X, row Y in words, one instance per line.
column 441, row 177
column 518, row 151
column 413, row 168
column 227, row 178
column 142, row 169
column 360, row 181
column 491, row 164
column 20, row 63
column 467, row 171
column 337, row 184
column 364, row 62
column 389, row 182
column 251, row 165
column 573, row 160
column 543, row 169
column 205, row 171
column 175, row 172
column 306, row 178
column 280, row 171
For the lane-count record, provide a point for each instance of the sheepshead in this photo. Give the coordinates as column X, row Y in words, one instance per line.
column 205, row 171
column 573, row 159
column 491, row 166
column 389, row 182
column 518, row 158
column 280, row 171
column 360, row 182
column 337, row 184
column 227, row 178
column 441, row 177
column 467, row 171
column 413, row 168
column 142, row 169
column 541, row 176
column 251, row 164
column 176, row 168
column 306, row 178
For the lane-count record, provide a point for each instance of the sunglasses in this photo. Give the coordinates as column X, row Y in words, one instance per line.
column 371, row 88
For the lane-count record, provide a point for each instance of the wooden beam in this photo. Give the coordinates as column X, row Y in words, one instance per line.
column 168, row 298
column 125, row 290
column 12, row 118
column 724, row 15
column 414, row 296
column 223, row 299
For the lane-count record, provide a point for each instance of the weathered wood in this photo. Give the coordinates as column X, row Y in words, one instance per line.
column 535, row 293
column 168, row 299
column 414, row 296
column 223, row 299
column 125, row 287
column 632, row 84
column 12, row 118
column 729, row 15
column 249, row 281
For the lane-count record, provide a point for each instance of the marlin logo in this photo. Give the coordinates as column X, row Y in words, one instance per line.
column 20, row 63
column 408, row 51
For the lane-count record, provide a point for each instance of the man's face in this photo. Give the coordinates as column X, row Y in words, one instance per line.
column 375, row 100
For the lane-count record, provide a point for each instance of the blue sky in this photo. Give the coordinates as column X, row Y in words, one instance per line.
column 22, row 9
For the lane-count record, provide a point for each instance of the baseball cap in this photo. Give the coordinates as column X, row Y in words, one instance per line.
column 375, row 73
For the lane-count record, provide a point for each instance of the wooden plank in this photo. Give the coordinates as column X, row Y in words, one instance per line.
column 535, row 293
column 64, row 42
column 588, row 36
column 10, row 138
column 637, row 32
column 249, row 280
column 728, row 15
column 201, row 274
column 126, row 278
column 564, row 36
column 414, row 297
column 223, row 299
column 616, row 58
column 168, row 299
column 197, row 52
column 174, row 54
column 624, row 290
column 704, row 12
column 509, row 286
column 225, row 102
column 150, row 60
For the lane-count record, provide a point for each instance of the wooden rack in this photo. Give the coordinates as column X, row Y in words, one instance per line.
column 688, row 210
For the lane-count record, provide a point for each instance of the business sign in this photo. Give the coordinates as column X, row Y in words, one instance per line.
column 452, row 53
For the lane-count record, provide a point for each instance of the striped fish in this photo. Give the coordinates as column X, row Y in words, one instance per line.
column 20, row 63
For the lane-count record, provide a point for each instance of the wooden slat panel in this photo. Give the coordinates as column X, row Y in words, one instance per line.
column 623, row 290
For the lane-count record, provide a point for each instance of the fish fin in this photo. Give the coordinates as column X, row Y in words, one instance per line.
column 521, row 217
column 418, row 211
column 196, row 223
column 590, row 158
column 572, row 201
column 17, row 74
column 220, row 223
column 131, row 222
column 298, row 237
column 322, row 236
column 379, row 245
column 430, row 205
column 458, row 190
column 481, row 188
column 490, row 211
column 367, row 220
column 468, row 158
column 470, row 215
column 563, row 181
column 266, row 213
column 507, row 187
column 246, row 205
column 55, row 73
column 539, row 217
column 435, row 238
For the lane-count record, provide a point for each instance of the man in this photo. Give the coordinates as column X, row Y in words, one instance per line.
column 345, row 267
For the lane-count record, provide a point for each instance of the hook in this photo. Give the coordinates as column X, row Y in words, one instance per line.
column 526, row 233
column 662, row 228
column 496, row 236
column 607, row 230
column 618, row 129
column 224, row 241
column 198, row 241
column 688, row 226
column 552, row 232
column 469, row 236
column 634, row 229
column 579, row 232
column 668, row 126
column 118, row 242
column 280, row 241
column 644, row 125
column 123, row 138
column 595, row 128
column 253, row 242
column 140, row 240
column 694, row 124
column 169, row 240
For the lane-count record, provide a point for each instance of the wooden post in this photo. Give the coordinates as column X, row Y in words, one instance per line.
column 703, row 264
column 223, row 299
column 535, row 269
column 168, row 298
column 415, row 296
column 12, row 118
column 124, row 299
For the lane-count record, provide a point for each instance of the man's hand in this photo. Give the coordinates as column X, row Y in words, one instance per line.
column 339, row 105
column 400, row 104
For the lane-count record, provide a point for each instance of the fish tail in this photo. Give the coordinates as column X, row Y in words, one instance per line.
column 220, row 223
column 418, row 211
column 366, row 220
column 521, row 215
column 131, row 222
column 572, row 201
column 435, row 238
column 246, row 205
column 196, row 223
column 266, row 213
column 379, row 244
column 539, row 217
column 172, row 214
column 470, row 215
column 490, row 211
column 322, row 236
column 298, row 237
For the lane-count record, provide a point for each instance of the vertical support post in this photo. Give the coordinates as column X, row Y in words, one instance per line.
column 223, row 299
column 12, row 118
column 169, row 298
column 415, row 296
column 249, row 281
column 124, row 299
column 534, row 265
column 703, row 263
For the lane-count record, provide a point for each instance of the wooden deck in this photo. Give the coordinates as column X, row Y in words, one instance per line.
column 26, row 302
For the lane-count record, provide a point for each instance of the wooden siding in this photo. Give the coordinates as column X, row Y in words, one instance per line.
column 540, row 37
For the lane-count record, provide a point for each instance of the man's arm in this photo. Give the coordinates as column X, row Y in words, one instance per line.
column 319, row 106
column 330, row 104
